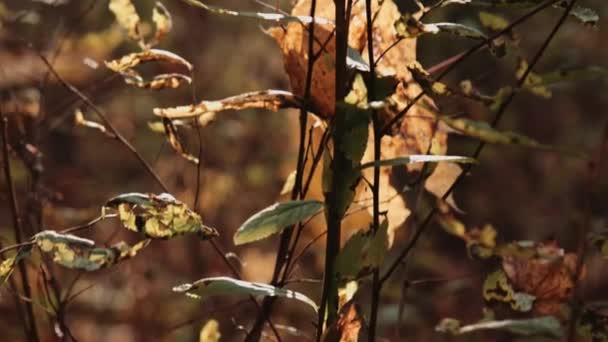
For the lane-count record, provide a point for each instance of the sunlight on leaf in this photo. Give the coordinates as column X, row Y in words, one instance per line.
column 125, row 67
column 210, row 332
column 265, row 99
column 493, row 21
column 74, row 252
column 158, row 216
column 349, row 326
column 228, row 286
column 162, row 19
column 419, row 158
column 289, row 183
column 274, row 219
column 127, row 17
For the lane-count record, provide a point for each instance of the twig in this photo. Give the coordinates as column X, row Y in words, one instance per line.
column 105, row 120
column 32, row 332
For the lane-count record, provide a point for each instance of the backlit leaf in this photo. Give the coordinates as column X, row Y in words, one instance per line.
column 162, row 20
column 127, row 17
column 367, row 248
column 74, row 252
column 228, row 286
column 349, row 327
column 158, row 216
column 493, row 21
column 410, row 27
column 274, row 219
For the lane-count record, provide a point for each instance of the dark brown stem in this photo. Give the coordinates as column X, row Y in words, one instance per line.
column 371, row 96
column 31, row 331
column 283, row 251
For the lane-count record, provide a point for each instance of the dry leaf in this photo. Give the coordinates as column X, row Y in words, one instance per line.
column 348, row 326
column 548, row 275
column 127, row 17
column 265, row 99
column 162, row 20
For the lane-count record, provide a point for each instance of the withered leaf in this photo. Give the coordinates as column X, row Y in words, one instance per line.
column 158, row 216
column 74, row 252
column 171, row 132
column 349, row 326
column 127, row 17
column 264, row 99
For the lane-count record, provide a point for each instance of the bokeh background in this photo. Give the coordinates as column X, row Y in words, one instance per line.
column 246, row 157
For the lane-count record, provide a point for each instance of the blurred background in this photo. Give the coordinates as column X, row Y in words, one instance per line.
column 246, row 157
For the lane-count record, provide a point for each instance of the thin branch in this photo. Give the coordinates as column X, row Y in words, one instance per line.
column 32, row 333
column 105, row 120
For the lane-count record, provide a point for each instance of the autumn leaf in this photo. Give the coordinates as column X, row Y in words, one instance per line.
column 127, row 17
column 8, row 265
column 266, row 99
column 74, row 252
column 349, row 327
column 538, row 326
column 126, row 64
column 210, row 332
column 158, row 216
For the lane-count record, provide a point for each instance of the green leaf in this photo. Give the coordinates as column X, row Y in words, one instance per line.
column 410, row 27
column 158, row 216
column 8, row 265
column 74, row 252
column 274, row 219
column 546, row 325
column 229, row 286
column 419, row 158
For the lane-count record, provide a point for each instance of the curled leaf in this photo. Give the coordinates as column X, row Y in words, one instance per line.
column 497, row 288
column 81, row 121
column 158, row 216
column 265, row 99
column 162, row 20
column 171, row 132
column 274, row 219
column 74, row 252
column 228, row 286
column 125, row 67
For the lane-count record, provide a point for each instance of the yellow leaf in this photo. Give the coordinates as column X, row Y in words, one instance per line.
column 127, row 17
column 210, row 332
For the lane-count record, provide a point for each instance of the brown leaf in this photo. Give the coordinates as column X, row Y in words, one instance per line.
column 162, row 19
column 348, row 326
column 127, row 17
column 266, row 99
column 548, row 274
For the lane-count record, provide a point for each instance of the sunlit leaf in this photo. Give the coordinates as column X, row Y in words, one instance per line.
column 81, row 121
column 289, row 183
column 274, row 219
column 74, row 252
column 210, row 332
column 162, row 20
column 127, row 17
column 228, row 286
column 125, row 67
column 419, row 158
column 533, row 82
column 410, row 27
column 265, row 99
column 158, row 216
column 547, row 326
column 8, row 265
column 276, row 17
